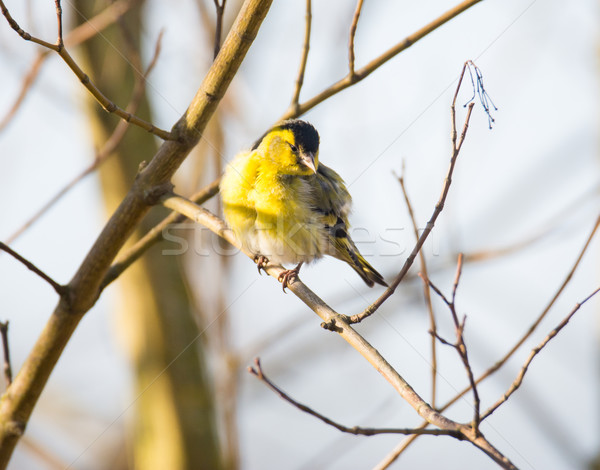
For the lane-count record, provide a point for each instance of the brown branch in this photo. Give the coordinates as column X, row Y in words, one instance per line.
column 356, row 430
column 365, row 71
column 78, row 35
column 6, row 352
column 220, row 9
column 456, row 147
column 535, row 324
column 345, row 330
column 353, row 26
column 132, row 254
column 104, row 153
column 59, row 48
column 534, row 352
column 294, row 105
column 426, row 291
column 459, row 345
column 17, row 404
column 59, row 289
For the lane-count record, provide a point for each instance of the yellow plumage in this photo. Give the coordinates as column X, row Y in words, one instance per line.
column 286, row 207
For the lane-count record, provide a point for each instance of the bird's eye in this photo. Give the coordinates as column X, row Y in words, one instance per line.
column 294, row 148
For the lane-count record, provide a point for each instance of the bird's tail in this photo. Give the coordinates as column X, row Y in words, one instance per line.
column 347, row 251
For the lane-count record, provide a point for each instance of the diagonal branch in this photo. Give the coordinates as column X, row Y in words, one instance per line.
column 59, row 48
column 356, row 430
column 104, row 153
column 534, row 352
column 345, row 330
column 78, row 35
column 59, row 289
column 365, row 71
column 456, row 147
column 17, row 404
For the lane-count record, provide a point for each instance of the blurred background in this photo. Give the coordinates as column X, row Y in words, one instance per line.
column 155, row 375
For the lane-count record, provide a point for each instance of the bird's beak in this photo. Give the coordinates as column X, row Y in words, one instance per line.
column 308, row 160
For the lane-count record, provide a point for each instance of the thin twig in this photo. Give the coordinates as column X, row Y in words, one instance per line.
column 6, row 351
column 18, row 403
column 353, row 26
column 304, row 57
column 345, row 330
column 535, row 324
column 104, row 153
column 534, row 352
column 365, row 71
column 132, row 254
column 220, row 8
column 356, row 430
column 75, row 37
column 488, row 373
column 107, row 104
column 456, row 147
column 59, row 289
column 426, row 291
column 460, row 345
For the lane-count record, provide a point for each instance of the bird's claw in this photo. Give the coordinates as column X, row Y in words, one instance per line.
column 261, row 261
column 288, row 276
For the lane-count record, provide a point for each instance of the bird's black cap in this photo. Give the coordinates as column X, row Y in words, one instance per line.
column 307, row 137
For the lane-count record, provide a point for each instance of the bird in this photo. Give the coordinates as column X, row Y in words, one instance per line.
column 285, row 207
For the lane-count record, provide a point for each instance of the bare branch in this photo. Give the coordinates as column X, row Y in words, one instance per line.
column 353, row 26
column 78, row 35
column 107, row 104
column 344, row 329
column 426, row 291
column 534, row 352
column 430, row 224
column 104, row 153
column 356, row 430
column 535, row 324
column 17, row 404
column 365, row 71
column 6, row 351
column 155, row 235
column 220, row 8
column 459, row 345
column 59, row 289
column 294, row 105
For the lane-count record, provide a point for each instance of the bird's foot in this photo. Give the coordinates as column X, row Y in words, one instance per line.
column 288, row 276
column 261, row 261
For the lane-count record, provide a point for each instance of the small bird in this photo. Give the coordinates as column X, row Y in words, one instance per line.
column 286, row 207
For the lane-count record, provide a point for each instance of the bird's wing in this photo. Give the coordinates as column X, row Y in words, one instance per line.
column 332, row 204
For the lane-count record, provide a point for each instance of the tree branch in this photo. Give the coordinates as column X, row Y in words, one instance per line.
column 6, row 351
column 59, row 48
column 534, row 352
column 456, row 147
column 345, row 330
column 356, row 430
column 353, row 26
column 426, row 291
column 104, row 153
column 365, row 71
column 294, row 105
column 17, row 404
column 78, row 35
column 58, row 288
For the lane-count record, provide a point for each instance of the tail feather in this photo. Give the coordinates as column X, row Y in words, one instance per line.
column 347, row 251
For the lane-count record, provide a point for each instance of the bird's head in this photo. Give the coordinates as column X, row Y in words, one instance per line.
column 292, row 146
